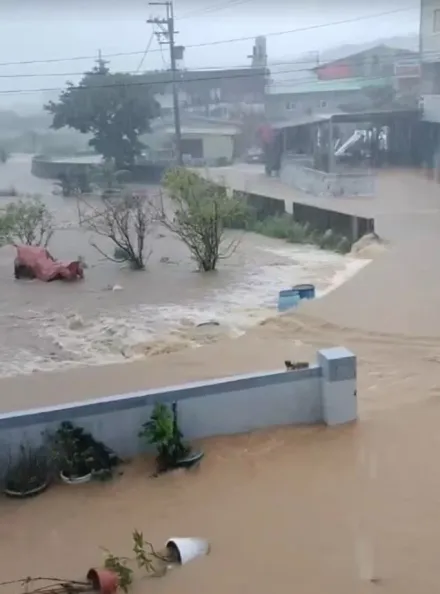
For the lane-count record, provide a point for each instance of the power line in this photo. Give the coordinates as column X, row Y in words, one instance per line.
column 145, row 53
column 218, row 42
column 406, row 55
column 146, row 83
column 214, row 8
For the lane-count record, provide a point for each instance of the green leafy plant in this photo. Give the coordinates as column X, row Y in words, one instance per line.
column 145, row 557
column 26, row 222
column 162, row 431
column 199, row 216
column 78, row 453
column 283, row 226
column 119, row 565
column 111, row 107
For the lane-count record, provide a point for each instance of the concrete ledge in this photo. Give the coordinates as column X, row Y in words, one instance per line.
column 219, row 407
column 137, row 400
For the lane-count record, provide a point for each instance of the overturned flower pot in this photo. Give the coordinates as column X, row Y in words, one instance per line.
column 103, row 581
column 182, row 550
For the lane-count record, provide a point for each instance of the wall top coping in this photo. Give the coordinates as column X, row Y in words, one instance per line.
column 166, row 395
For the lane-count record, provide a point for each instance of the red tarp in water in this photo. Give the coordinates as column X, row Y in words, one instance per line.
column 44, row 267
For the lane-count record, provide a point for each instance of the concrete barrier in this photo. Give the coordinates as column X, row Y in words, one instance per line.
column 46, row 168
column 323, row 393
column 327, row 185
column 321, row 219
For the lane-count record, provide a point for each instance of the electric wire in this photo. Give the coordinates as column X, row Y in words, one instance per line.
column 217, row 42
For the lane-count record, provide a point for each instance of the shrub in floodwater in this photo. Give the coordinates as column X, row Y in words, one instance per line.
column 285, row 227
column 278, row 226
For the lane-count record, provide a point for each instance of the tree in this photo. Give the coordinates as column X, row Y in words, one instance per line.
column 201, row 211
column 116, row 108
column 125, row 220
column 28, row 223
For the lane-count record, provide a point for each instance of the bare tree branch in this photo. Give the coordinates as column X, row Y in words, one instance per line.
column 126, row 220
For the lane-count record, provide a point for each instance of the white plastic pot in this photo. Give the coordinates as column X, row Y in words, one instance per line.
column 79, row 480
column 188, row 548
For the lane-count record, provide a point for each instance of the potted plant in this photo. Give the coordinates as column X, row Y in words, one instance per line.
column 29, row 473
column 162, row 431
column 80, row 456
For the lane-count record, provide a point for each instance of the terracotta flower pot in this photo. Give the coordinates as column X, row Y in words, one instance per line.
column 104, row 581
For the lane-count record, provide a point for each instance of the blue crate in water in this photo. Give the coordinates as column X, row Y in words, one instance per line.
column 305, row 291
column 288, row 299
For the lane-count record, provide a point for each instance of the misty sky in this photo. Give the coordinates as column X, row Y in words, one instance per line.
column 67, row 29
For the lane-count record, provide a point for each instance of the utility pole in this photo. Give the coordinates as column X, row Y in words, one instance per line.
column 167, row 32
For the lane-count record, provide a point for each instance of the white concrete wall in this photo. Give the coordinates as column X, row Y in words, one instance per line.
column 429, row 37
column 218, row 147
column 321, row 393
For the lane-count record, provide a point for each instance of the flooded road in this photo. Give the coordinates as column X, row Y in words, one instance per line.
column 117, row 314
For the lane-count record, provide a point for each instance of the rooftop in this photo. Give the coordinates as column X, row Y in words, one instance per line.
column 323, row 86
column 205, row 130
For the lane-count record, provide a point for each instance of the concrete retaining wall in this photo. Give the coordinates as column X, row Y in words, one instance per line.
column 326, row 185
column 350, row 226
column 46, row 168
column 324, row 393
column 318, row 218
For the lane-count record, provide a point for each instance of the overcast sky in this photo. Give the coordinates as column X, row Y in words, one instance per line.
column 46, row 29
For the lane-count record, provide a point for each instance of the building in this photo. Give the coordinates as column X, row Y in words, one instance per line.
column 205, row 141
column 205, row 91
column 377, row 77
column 377, row 61
column 430, row 82
column 287, row 101
column 430, row 59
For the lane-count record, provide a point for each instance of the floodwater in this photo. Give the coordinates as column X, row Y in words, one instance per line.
column 348, row 510
column 117, row 315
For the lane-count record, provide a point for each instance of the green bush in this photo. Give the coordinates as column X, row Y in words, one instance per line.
column 285, row 227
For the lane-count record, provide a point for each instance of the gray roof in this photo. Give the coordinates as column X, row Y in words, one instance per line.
column 303, row 120
column 346, row 51
column 361, row 116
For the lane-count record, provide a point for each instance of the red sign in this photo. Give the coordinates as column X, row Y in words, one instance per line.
column 334, row 71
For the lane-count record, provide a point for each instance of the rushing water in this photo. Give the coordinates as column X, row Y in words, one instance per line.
column 117, row 314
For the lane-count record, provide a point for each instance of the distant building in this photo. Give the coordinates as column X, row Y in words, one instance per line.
column 320, row 97
column 377, row 61
column 205, row 141
column 373, row 78
column 430, row 59
column 206, row 90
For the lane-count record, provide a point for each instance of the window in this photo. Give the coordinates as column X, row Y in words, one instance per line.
column 322, row 104
column 290, row 105
column 192, row 147
column 436, row 21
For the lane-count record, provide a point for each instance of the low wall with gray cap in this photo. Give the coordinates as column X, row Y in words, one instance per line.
column 323, row 393
column 327, row 185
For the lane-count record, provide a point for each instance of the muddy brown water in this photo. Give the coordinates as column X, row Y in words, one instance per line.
column 57, row 326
